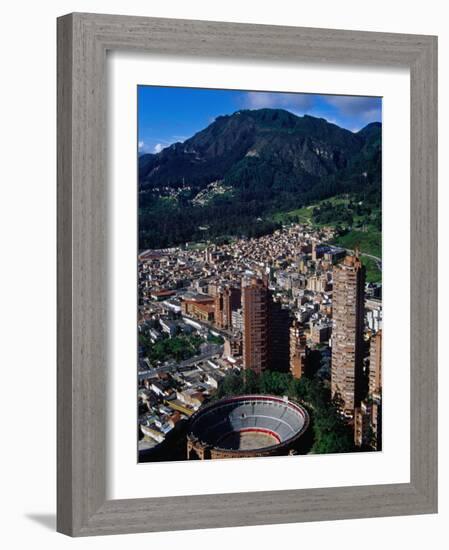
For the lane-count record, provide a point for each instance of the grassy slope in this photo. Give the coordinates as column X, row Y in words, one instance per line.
column 368, row 241
column 373, row 275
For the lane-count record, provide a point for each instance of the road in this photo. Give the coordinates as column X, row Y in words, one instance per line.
column 214, row 349
column 223, row 332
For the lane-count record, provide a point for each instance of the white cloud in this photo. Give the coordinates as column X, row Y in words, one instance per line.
column 366, row 107
column 158, row 147
column 141, row 145
column 260, row 100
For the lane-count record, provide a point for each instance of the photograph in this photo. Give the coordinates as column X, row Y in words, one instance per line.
column 259, row 274
column 226, row 221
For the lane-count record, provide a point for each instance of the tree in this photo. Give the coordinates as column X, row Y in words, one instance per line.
column 252, row 381
column 232, row 384
column 272, row 382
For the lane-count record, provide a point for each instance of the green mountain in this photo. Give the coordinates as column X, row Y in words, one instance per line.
column 228, row 178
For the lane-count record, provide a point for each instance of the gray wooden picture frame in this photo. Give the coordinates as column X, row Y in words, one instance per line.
column 83, row 41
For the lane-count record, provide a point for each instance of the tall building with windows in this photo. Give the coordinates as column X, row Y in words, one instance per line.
column 375, row 366
column 279, row 322
column 368, row 425
column 347, row 332
column 227, row 300
column 368, row 417
column 255, row 306
column 265, row 328
column 298, row 350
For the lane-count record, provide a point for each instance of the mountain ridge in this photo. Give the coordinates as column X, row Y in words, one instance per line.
column 229, row 138
column 264, row 159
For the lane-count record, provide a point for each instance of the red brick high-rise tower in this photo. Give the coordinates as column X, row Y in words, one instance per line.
column 375, row 366
column 347, row 332
column 266, row 327
column 255, row 305
column 298, row 350
column 279, row 322
column 226, row 301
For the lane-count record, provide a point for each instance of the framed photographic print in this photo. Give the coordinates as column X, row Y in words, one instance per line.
column 247, row 274
column 245, row 271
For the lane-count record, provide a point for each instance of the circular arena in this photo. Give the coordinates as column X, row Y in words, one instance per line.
column 246, row 426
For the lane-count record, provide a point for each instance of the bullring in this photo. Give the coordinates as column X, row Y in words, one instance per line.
column 246, row 426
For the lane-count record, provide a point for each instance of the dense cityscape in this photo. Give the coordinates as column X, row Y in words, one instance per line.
column 284, row 314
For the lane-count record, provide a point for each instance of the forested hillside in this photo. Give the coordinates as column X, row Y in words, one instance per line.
column 231, row 178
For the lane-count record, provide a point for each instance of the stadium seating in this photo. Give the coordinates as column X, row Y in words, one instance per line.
column 215, row 423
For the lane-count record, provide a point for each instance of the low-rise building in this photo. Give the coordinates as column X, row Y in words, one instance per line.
column 320, row 333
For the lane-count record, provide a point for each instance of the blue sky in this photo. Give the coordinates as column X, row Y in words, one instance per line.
column 167, row 115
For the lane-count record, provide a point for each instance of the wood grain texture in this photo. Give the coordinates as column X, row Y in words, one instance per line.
column 83, row 40
column 64, row 276
column 424, row 276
